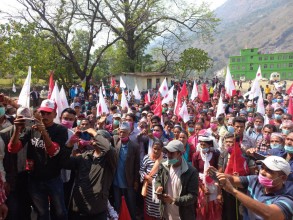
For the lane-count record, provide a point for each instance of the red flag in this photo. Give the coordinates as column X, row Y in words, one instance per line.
column 237, row 163
column 51, row 84
column 158, row 106
column 147, row 98
column 124, row 213
column 290, row 106
column 290, row 90
column 184, row 91
column 205, row 93
column 113, row 82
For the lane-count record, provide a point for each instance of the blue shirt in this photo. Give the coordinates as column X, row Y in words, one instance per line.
column 120, row 178
column 256, row 191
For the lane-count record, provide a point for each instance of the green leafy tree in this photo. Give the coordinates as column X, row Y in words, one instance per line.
column 192, row 60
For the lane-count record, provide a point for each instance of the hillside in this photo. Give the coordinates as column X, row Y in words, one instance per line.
column 264, row 24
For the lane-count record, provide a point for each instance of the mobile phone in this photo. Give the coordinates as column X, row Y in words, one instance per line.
column 29, row 122
column 213, row 175
column 259, row 156
column 158, row 193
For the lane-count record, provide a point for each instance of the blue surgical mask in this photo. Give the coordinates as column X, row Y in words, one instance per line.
column 279, row 100
column 274, row 146
column 278, row 117
column 172, row 161
column 2, row 111
column 205, row 110
column 116, row 122
column 285, row 131
column 205, row 150
column 249, row 109
column 257, row 127
column 190, row 129
column 230, row 129
column 289, row 149
column 241, row 100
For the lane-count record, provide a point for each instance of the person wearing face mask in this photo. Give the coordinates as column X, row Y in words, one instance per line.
column 255, row 132
column 130, row 118
column 249, row 107
column 263, row 146
column 126, row 178
column 210, row 199
column 157, row 132
column 289, row 154
column 287, row 127
column 176, row 185
column 213, row 129
column 113, row 127
column 277, row 145
column 188, row 149
column 267, row 197
column 278, row 117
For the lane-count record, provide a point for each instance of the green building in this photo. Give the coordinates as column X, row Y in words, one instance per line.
column 247, row 64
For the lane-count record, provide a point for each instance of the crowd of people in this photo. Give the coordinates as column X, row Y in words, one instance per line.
column 133, row 164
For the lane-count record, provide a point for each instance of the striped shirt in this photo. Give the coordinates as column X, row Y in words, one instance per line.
column 152, row 209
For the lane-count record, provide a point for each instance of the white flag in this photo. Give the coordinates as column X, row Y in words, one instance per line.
column 176, row 102
column 184, row 113
column 220, row 108
column 57, row 99
column 122, row 83
column 128, row 95
column 229, row 84
column 260, row 105
column 24, row 96
column 258, row 75
column 115, row 96
column 136, row 93
column 194, row 92
column 103, row 89
column 164, row 88
column 63, row 98
column 13, row 88
column 169, row 97
column 102, row 106
column 124, row 103
column 255, row 90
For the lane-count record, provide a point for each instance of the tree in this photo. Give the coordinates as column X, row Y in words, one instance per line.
column 135, row 22
column 192, row 59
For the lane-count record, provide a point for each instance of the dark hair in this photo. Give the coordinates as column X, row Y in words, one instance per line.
column 155, row 117
column 183, row 132
column 160, row 126
column 68, row 110
column 178, row 126
column 199, row 123
column 288, row 115
column 190, row 122
column 240, row 120
column 271, row 127
column 131, row 115
column 169, row 123
column 113, row 107
column 229, row 135
column 259, row 116
column 158, row 141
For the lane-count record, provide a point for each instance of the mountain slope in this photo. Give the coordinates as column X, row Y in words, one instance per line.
column 265, row 24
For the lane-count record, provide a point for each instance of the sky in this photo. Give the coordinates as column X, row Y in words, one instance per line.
column 12, row 5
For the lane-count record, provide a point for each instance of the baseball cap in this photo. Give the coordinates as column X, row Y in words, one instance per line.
column 174, row 146
column 77, row 104
column 144, row 112
column 117, row 115
column 47, row 105
column 276, row 163
column 124, row 126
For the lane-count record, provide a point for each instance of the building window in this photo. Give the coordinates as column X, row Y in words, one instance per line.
column 251, row 68
column 272, row 66
column 279, row 65
column 251, row 57
column 243, row 59
column 279, row 57
column 233, row 60
column 290, row 56
column 260, row 58
column 149, row 83
column 289, row 74
column 266, row 58
column 285, row 57
column 243, row 67
column 271, row 58
column 290, row 64
column 233, row 68
column 265, row 66
column 285, row 65
column 251, row 50
column 238, row 59
column 238, row 67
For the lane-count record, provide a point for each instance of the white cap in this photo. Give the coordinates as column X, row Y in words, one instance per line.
column 174, row 146
column 48, row 105
column 117, row 115
column 276, row 163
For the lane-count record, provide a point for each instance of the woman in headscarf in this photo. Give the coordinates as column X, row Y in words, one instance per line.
column 209, row 197
column 189, row 149
column 148, row 171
